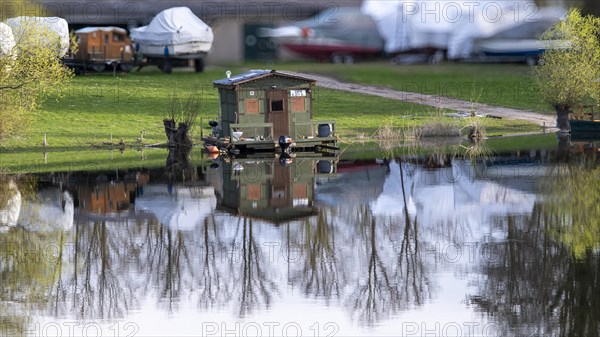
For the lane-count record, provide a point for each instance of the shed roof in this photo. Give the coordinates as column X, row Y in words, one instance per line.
column 254, row 75
column 103, row 29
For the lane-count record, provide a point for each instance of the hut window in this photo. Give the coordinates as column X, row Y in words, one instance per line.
column 277, row 105
column 300, row 191
column 297, row 93
column 252, row 106
column 254, row 192
column 106, row 39
column 298, row 104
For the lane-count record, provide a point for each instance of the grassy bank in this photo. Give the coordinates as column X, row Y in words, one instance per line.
column 98, row 107
column 72, row 160
column 457, row 147
column 507, row 85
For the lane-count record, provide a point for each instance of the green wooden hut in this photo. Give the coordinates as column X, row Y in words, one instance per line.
column 259, row 106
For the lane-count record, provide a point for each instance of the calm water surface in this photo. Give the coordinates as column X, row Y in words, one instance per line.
column 414, row 246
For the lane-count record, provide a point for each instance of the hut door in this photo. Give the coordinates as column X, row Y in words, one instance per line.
column 278, row 112
column 280, row 188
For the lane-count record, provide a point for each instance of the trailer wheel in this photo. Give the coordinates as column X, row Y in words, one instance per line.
column 199, row 65
column 98, row 68
column 167, row 67
column 531, row 61
column 348, row 59
column 337, row 58
column 126, row 67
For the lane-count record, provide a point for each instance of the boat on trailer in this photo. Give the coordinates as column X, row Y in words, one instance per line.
column 268, row 110
column 174, row 36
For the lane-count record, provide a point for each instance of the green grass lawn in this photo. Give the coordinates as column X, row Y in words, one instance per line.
column 69, row 160
column 508, row 85
column 73, row 160
column 96, row 107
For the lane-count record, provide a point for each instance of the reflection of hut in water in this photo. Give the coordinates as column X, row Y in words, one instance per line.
column 270, row 189
column 104, row 196
column 588, row 147
column 176, row 206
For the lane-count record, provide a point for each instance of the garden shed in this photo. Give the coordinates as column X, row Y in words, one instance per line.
column 259, row 106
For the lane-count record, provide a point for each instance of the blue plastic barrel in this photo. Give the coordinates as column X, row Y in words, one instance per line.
column 324, row 130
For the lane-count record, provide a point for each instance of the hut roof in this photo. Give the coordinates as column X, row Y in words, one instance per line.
column 86, row 30
column 254, row 75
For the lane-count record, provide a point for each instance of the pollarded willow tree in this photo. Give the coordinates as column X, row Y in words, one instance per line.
column 570, row 66
column 29, row 72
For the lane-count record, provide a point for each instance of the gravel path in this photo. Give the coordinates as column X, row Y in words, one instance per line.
column 548, row 121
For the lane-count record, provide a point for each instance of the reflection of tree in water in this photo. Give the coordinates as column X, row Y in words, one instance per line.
column 376, row 294
column 579, row 304
column 256, row 288
column 93, row 281
column 206, row 265
column 30, row 261
column 395, row 273
column 571, row 217
column 572, row 208
column 320, row 274
column 166, row 254
column 114, row 265
column 29, row 266
column 214, row 287
column 410, row 266
column 520, row 274
column 178, row 166
column 544, row 278
column 111, row 266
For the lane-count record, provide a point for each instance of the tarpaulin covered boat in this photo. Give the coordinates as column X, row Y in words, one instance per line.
column 51, row 25
column 175, row 33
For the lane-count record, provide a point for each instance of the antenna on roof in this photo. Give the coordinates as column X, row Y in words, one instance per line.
column 228, row 73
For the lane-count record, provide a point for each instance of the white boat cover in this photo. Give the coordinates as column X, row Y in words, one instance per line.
column 177, row 25
column 409, row 25
column 447, row 25
column 55, row 24
column 7, row 40
column 467, row 34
